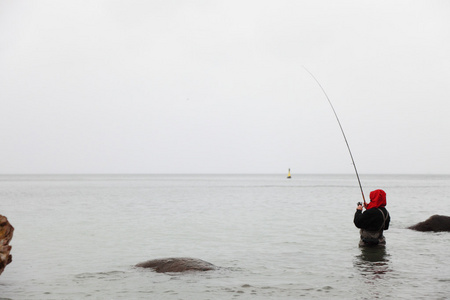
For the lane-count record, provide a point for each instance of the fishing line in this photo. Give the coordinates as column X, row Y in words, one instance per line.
column 342, row 130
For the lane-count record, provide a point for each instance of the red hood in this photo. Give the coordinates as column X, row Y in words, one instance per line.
column 377, row 199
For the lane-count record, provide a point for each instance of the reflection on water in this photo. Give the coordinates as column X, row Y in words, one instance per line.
column 373, row 263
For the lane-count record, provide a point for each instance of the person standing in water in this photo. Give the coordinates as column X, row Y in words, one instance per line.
column 374, row 220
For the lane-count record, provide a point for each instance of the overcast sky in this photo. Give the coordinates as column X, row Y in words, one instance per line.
column 219, row 86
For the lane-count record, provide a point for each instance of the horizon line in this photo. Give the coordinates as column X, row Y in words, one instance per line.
column 205, row 173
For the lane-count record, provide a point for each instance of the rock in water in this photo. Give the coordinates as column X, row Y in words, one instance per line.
column 6, row 234
column 434, row 223
column 181, row 264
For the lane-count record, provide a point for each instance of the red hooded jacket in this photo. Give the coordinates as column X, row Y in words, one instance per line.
column 372, row 219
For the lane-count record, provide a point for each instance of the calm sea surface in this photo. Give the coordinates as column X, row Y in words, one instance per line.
column 79, row 236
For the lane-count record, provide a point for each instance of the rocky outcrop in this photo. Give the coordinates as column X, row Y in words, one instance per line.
column 434, row 223
column 180, row 264
column 6, row 234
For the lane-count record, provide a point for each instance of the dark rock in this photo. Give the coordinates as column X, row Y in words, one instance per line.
column 180, row 264
column 6, row 234
column 434, row 223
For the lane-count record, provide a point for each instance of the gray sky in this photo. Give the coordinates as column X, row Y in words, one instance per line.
column 218, row 86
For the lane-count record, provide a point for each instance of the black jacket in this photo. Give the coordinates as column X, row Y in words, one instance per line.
column 371, row 219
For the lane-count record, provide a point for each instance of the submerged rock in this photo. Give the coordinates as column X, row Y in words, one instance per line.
column 177, row 264
column 6, row 234
column 434, row 223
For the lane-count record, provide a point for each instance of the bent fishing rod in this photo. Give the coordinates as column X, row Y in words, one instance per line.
column 342, row 130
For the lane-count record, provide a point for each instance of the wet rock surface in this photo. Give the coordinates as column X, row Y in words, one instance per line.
column 6, row 234
column 434, row 223
column 177, row 264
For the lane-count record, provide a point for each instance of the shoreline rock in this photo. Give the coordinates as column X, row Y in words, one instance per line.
column 177, row 264
column 6, row 234
column 434, row 223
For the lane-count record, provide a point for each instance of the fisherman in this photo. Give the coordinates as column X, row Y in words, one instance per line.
column 374, row 220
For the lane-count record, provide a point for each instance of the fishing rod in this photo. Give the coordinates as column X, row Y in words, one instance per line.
column 342, row 130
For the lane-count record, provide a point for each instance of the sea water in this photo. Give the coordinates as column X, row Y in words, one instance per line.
column 79, row 236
